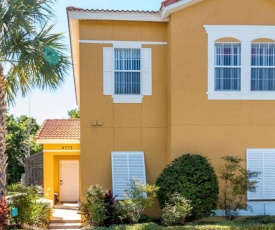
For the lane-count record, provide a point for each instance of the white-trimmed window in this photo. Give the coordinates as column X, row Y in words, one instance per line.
column 125, row 167
column 262, row 161
column 263, row 67
column 241, row 62
column 227, row 66
column 127, row 72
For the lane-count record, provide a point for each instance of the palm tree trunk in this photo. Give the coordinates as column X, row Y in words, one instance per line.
column 3, row 156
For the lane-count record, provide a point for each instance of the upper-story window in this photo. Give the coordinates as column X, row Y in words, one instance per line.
column 227, row 66
column 127, row 72
column 241, row 62
column 263, row 67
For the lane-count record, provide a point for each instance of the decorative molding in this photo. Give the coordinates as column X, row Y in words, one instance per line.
column 260, row 95
column 122, row 44
column 57, row 141
column 120, row 99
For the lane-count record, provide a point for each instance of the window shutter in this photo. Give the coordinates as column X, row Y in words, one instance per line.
column 125, row 166
column 255, row 163
column 146, row 71
column 263, row 162
column 108, row 71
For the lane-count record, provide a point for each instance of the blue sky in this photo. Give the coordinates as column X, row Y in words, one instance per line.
column 50, row 105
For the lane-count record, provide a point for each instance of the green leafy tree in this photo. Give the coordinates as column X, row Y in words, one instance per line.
column 20, row 143
column 236, row 182
column 35, row 57
column 138, row 196
column 74, row 113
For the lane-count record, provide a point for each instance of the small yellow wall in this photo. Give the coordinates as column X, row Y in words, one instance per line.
column 52, row 154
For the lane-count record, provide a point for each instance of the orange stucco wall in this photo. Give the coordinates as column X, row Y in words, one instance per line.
column 178, row 118
column 126, row 127
column 52, row 154
column 213, row 128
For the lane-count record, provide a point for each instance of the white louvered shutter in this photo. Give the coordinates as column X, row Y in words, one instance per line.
column 269, row 175
column 146, row 71
column 108, row 71
column 125, row 166
column 262, row 161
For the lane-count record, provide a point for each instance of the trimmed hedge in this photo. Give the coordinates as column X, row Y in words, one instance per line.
column 153, row 226
column 193, row 177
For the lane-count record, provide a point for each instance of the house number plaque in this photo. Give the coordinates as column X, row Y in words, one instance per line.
column 67, row 147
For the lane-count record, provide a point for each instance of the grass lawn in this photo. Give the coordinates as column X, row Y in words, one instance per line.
column 211, row 223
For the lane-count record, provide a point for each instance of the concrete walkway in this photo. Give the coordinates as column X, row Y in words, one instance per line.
column 65, row 216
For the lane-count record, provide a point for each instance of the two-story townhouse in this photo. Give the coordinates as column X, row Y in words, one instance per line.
column 197, row 76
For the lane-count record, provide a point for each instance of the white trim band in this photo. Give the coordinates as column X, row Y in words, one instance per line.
column 57, row 141
column 119, row 44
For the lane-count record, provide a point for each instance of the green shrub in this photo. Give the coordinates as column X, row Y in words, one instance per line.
column 236, row 182
column 176, row 210
column 153, row 226
column 32, row 213
column 193, row 177
column 144, row 226
column 100, row 207
column 262, row 219
column 137, row 197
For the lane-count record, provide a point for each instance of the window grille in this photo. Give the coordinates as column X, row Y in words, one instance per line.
column 227, row 67
column 263, row 67
column 127, row 71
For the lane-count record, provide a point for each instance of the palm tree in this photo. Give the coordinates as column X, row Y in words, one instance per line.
column 33, row 55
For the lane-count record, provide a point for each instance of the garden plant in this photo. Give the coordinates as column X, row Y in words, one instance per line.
column 193, row 177
column 236, row 182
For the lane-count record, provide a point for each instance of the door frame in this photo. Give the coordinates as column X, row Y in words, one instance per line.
column 77, row 178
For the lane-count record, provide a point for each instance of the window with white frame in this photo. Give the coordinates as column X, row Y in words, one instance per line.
column 227, row 66
column 262, row 161
column 127, row 72
column 243, row 69
column 125, row 167
column 263, row 67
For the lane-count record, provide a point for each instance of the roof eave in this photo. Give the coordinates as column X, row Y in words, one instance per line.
column 168, row 10
column 115, row 15
column 57, row 141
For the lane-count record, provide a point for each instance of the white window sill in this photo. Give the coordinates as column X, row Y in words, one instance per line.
column 260, row 95
column 134, row 99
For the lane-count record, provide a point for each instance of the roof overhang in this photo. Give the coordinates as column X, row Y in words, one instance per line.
column 143, row 16
column 168, row 10
column 57, row 141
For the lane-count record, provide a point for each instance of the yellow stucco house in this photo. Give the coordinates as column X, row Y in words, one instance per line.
column 61, row 155
column 197, row 76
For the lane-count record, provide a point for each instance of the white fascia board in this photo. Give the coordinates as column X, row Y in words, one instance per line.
column 117, row 16
column 168, row 10
column 231, row 30
column 57, row 141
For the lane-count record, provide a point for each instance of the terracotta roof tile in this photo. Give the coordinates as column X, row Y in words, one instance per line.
column 60, row 129
column 168, row 2
column 71, row 8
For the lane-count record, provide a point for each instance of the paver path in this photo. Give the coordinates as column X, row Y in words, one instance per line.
column 65, row 216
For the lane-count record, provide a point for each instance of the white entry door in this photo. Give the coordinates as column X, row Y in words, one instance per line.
column 69, row 181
